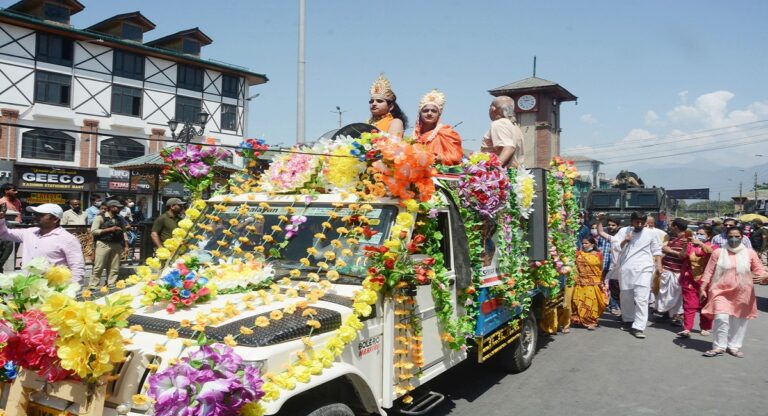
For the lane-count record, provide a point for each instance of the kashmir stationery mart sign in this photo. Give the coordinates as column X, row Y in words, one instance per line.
column 51, row 178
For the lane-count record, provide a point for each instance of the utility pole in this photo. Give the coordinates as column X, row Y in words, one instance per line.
column 755, row 208
column 741, row 197
column 339, row 112
column 300, row 93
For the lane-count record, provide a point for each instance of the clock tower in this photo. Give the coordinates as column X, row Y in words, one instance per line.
column 537, row 107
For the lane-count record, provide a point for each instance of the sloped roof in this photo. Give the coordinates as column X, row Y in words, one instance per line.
column 155, row 160
column 579, row 158
column 25, row 5
column 533, row 84
column 134, row 17
column 194, row 32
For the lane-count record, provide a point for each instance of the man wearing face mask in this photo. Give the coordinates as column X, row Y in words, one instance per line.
column 639, row 259
column 722, row 238
column 75, row 214
column 93, row 210
column 610, row 261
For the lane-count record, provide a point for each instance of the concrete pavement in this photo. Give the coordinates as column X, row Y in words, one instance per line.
column 609, row 372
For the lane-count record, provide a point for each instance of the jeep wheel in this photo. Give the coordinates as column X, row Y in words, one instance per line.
column 333, row 409
column 519, row 356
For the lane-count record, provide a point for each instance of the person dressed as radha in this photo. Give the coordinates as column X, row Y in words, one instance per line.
column 439, row 138
column 386, row 115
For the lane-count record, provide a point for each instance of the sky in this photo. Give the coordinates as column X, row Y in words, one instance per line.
column 661, row 84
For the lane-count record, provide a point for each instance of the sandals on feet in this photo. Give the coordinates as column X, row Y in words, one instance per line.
column 736, row 353
column 713, row 353
column 566, row 330
column 684, row 334
column 704, row 333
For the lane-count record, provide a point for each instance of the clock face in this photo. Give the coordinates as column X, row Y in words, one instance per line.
column 526, row 102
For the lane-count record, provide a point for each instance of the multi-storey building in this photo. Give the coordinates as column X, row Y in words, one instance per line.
column 75, row 101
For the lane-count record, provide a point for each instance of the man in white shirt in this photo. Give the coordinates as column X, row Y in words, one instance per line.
column 662, row 235
column 640, row 254
column 504, row 138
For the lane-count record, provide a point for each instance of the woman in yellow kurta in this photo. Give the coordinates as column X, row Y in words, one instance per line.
column 439, row 138
column 386, row 115
column 589, row 300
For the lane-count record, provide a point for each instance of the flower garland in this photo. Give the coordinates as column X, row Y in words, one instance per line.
column 28, row 289
column 181, row 286
column 513, row 264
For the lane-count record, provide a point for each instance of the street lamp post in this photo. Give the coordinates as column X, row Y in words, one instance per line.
column 188, row 130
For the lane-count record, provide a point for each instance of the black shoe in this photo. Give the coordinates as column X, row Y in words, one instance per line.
column 626, row 326
column 638, row 334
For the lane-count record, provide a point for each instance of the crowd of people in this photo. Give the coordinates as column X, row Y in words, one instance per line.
column 113, row 224
column 639, row 271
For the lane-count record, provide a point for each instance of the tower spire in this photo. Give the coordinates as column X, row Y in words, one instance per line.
column 534, row 66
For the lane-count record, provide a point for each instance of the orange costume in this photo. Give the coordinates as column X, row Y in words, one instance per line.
column 443, row 141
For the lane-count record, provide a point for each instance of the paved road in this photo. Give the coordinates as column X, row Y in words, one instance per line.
column 609, row 372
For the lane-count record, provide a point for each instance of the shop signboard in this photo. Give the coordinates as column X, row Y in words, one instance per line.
column 6, row 171
column 36, row 198
column 51, row 178
column 141, row 183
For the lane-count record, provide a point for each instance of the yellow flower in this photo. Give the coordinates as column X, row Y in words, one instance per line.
column 136, row 328
column 233, row 222
column 245, row 330
column 140, row 399
column 153, row 262
column 314, row 323
column 85, row 322
column 404, row 219
column 74, row 356
column 411, row 205
column 58, row 275
column 262, row 322
column 304, row 261
column 104, row 289
column 229, row 340
column 185, row 224
column 332, row 275
column 276, row 315
column 160, row 348
column 192, row 213
column 336, row 243
column 252, row 409
column 185, row 323
column 268, row 239
column 120, row 284
column 172, row 333
column 329, row 255
column 198, row 203
column 163, row 253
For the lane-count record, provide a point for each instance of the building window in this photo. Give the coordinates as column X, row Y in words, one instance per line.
column 56, row 13
column 228, row 117
column 128, row 65
column 119, row 149
column 190, row 78
column 230, row 86
column 188, row 109
column 48, row 144
column 132, row 32
column 126, row 100
column 54, row 49
column 52, row 88
column 190, row 46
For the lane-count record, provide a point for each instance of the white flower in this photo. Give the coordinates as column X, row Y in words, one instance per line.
column 38, row 265
column 6, row 281
column 38, row 289
column 71, row 290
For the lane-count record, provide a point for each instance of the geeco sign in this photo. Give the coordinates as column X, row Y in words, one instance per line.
column 41, row 177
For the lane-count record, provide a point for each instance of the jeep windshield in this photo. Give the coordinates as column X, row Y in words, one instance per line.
column 237, row 233
column 605, row 200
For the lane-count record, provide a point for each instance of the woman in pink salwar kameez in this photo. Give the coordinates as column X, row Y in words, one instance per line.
column 698, row 252
column 730, row 275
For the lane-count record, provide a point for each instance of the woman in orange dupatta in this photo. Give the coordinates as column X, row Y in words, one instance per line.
column 386, row 115
column 589, row 300
column 443, row 141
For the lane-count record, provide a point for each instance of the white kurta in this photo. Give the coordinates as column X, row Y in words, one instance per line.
column 636, row 258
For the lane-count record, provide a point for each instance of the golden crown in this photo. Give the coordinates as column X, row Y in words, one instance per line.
column 382, row 88
column 433, row 97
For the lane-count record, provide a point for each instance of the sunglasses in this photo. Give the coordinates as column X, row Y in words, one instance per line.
column 376, row 101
